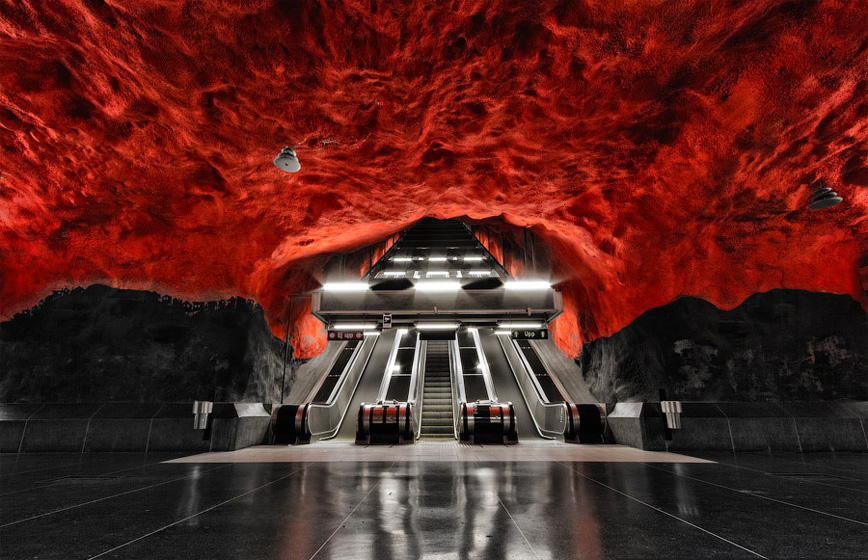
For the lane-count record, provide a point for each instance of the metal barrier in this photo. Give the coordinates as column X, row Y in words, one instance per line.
column 201, row 410
column 289, row 424
column 385, row 423
column 585, row 423
column 672, row 411
column 488, row 422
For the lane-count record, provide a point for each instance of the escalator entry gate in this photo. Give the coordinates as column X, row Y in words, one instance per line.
column 385, row 423
column 487, row 422
column 289, row 424
column 585, row 423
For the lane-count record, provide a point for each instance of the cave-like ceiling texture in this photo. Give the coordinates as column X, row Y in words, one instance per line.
column 661, row 148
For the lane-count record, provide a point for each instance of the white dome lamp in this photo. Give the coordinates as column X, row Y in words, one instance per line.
column 823, row 197
column 287, row 160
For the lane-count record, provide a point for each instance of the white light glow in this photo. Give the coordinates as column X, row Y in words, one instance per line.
column 345, row 286
column 473, row 259
column 479, row 272
column 518, row 325
column 438, row 287
column 527, row 285
column 437, row 273
column 506, row 333
column 402, row 259
column 436, row 326
column 436, row 259
column 396, row 369
column 354, row 326
column 396, row 273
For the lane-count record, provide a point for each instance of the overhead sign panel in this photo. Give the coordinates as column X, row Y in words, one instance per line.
column 345, row 335
column 525, row 334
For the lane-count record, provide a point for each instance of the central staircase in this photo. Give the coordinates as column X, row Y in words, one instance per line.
column 437, row 420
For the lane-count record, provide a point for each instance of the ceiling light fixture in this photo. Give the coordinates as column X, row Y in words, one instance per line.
column 824, row 197
column 527, row 285
column 354, row 327
column 345, row 286
column 436, row 326
column 287, row 160
column 519, row 325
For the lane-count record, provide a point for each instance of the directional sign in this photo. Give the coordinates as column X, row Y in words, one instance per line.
column 345, row 335
column 530, row 334
column 387, row 320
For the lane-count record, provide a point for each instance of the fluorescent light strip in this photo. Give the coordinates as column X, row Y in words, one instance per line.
column 479, row 273
column 402, row 259
column 345, row 286
column 437, row 273
column 354, row 326
column 518, row 325
column 436, row 259
column 438, row 287
column 506, row 333
column 473, row 259
column 527, row 285
column 436, row 326
column 397, row 273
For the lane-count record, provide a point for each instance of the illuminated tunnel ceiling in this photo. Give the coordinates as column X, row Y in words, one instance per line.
column 660, row 148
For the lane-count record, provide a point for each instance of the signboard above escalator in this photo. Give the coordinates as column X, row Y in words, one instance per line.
column 346, row 335
column 523, row 334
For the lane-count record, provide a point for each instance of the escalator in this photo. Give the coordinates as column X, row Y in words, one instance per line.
column 505, row 384
column 369, row 384
column 437, row 419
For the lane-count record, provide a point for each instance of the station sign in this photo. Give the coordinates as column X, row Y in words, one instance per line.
column 346, row 335
column 387, row 320
column 539, row 334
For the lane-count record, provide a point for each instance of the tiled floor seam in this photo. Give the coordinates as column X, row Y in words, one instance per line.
column 664, row 512
column 342, row 523
column 758, row 495
column 206, row 510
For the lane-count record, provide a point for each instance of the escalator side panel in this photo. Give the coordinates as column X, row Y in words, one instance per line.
column 505, row 384
column 334, row 375
column 369, row 384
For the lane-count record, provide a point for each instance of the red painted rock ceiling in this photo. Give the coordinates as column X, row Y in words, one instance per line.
column 660, row 148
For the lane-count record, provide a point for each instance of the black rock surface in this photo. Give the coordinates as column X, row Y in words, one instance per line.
column 776, row 346
column 103, row 344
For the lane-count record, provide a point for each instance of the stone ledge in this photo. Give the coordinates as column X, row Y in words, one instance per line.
column 709, row 426
column 135, row 427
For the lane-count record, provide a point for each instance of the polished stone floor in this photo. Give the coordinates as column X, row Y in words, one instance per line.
column 149, row 506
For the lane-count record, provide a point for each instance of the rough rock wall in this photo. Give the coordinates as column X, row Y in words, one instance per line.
column 660, row 148
column 102, row 343
column 776, row 345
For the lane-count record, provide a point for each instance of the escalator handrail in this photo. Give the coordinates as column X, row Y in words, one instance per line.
column 483, row 362
column 390, row 363
column 345, row 393
column 550, row 370
column 458, row 393
column 328, row 370
column 419, row 380
column 539, row 401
